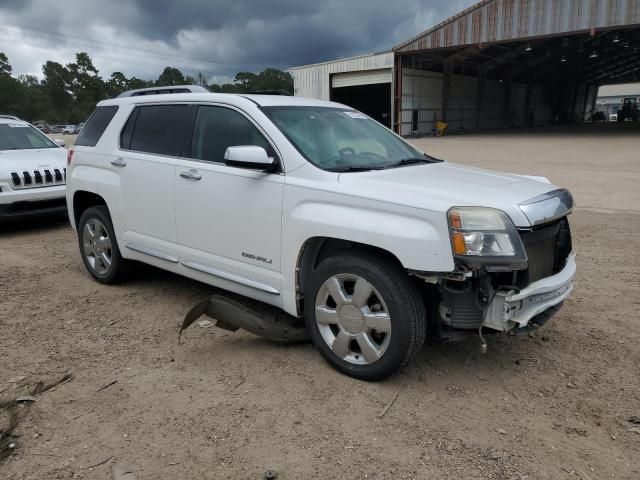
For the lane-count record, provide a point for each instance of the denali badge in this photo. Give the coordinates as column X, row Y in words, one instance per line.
column 254, row 257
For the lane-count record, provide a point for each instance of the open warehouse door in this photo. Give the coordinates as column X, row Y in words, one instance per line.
column 500, row 64
column 368, row 91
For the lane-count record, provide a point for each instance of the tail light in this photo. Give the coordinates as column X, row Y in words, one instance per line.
column 69, row 156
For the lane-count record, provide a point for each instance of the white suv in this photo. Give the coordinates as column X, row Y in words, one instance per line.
column 32, row 171
column 318, row 210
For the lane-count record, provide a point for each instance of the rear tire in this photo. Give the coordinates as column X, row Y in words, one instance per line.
column 99, row 248
column 364, row 315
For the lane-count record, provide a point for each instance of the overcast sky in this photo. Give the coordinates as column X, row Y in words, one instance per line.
column 215, row 37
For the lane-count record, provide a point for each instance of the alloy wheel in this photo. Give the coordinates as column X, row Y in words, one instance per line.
column 97, row 246
column 353, row 319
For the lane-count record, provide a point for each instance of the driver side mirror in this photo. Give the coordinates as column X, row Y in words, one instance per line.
column 249, row 156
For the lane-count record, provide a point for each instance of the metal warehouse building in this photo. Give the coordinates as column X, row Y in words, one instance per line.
column 500, row 63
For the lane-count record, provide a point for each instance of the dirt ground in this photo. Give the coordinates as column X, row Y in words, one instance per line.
column 230, row 405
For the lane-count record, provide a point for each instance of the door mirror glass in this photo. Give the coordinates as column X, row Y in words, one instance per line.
column 249, row 156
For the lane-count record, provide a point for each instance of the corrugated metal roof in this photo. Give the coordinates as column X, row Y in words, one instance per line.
column 622, row 90
column 348, row 59
column 502, row 20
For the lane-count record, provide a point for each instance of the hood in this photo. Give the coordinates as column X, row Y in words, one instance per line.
column 31, row 160
column 440, row 186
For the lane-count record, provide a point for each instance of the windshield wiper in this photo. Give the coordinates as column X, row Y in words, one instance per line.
column 355, row 169
column 413, row 161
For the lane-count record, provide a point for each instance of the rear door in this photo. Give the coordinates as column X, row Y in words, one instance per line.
column 150, row 143
column 229, row 219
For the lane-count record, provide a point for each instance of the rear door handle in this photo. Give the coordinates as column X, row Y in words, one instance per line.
column 191, row 174
column 119, row 162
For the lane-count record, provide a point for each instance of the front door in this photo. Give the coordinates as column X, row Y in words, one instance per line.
column 228, row 219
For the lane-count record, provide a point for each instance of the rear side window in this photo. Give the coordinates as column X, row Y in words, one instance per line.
column 157, row 129
column 96, row 125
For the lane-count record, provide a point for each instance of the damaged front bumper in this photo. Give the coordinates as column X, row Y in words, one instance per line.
column 511, row 309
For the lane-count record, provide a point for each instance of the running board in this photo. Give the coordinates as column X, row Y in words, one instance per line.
column 232, row 277
column 136, row 247
column 232, row 312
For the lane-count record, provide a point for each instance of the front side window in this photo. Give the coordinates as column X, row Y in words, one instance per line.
column 337, row 139
column 20, row 136
column 160, row 129
column 217, row 128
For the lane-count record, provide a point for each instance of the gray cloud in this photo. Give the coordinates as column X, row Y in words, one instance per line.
column 215, row 37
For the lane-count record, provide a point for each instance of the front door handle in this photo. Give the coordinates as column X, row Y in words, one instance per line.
column 119, row 162
column 191, row 174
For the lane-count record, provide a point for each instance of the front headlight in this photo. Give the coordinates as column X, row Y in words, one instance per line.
column 483, row 232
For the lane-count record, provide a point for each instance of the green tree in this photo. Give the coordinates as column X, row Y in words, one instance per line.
column 274, row 79
column 10, row 93
column 117, row 84
column 55, row 85
column 170, row 76
column 245, row 80
column 5, row 66
column 269, row 80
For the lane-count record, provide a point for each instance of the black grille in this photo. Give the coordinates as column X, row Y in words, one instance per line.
column 547, row 248
column 37, row 178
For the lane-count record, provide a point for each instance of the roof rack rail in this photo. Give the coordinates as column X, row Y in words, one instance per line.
column 164, row 90
column 280, row 91
column 10, row 117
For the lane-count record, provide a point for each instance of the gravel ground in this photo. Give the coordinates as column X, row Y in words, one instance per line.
column 230, row 405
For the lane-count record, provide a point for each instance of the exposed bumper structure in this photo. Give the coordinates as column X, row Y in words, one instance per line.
column 510, row 309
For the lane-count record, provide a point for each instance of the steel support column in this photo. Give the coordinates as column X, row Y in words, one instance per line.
column 446, row 87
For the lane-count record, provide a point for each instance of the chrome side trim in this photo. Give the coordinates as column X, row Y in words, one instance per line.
column 548, row 206
column 231, row 277
column 136, row 247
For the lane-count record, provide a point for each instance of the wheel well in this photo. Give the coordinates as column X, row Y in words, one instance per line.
column 317, row 249
column 83, row 200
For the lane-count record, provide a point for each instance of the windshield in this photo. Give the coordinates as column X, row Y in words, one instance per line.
column 338, row 139
column 20, row 136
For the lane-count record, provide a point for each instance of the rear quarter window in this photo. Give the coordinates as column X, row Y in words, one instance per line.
column 96, row 125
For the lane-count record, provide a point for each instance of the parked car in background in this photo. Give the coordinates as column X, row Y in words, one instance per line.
column 32, row 171
column 44, row 128
column 57, row 128
column 69, row 129
column 316, row 209
column 80, row 127
column 613, row 117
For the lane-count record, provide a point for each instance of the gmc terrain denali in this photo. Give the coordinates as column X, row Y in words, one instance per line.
column 318, row 210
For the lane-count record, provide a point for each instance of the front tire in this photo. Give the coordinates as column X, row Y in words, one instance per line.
column 99, row 248
column 364, row 315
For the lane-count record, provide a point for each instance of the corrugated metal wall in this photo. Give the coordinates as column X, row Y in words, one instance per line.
column 314, row 81
column 501, row 20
